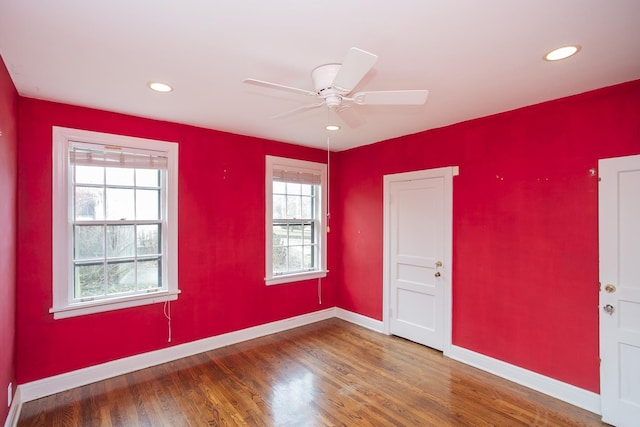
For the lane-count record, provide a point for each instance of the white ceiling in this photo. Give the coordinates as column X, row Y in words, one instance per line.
column 476, row 58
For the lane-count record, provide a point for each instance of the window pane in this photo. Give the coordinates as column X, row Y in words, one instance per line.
column 88, row 242
column 89, row 175
column 89, row 280
column 293, row 207
column 279, row 203
column 279, row 187
column 147, row 178
column 279, row 261
column 121, row 277
column 147, row 204
column 306, row 189
column 119, row 203
column 119, row 176
column 293, row 188
column 308, row 256
column 295, row 234
column 148, row 239
column 149, row 274
column 89, row 203
column 307, row 233
column 306, row 208
column 280, row 235
column 120, row 241
column 295, row 258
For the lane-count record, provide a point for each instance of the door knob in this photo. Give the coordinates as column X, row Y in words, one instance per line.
column 438, row 265
column 610, row 288
column 609, row 309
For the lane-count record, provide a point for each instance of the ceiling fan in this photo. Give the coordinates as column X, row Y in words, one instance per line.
column 334, row 83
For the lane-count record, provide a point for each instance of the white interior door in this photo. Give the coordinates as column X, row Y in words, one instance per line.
column 417, row 245
column 619, row 235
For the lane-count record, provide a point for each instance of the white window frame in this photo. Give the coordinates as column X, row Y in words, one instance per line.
column 303, row 166
column 64, row 304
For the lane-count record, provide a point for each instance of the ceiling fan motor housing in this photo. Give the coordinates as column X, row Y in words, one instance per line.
column 323, row 77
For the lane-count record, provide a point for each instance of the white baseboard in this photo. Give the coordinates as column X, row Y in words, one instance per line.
column 14, row 410
column 566, row 392
column 360, row 320
column 51, row 385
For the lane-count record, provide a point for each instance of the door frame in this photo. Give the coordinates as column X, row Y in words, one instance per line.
column 447, row 173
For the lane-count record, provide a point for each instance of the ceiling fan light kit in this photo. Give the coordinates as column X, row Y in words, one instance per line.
column 333, row 83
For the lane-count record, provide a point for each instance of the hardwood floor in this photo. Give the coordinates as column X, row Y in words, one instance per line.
column 327, row 373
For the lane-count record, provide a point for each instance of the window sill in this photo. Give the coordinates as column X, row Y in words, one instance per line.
column 99, row 306
column 288, row 278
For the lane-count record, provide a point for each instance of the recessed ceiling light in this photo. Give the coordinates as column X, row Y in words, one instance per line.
column 332, row 127
column 562, row 53
column 159, row 87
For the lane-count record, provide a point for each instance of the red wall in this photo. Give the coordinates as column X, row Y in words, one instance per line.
column 525, row 244
column 8, row 225
column 525, row 277
column 221, row 246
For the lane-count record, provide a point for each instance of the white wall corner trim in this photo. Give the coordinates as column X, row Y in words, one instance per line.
column 566, row 392
column 14, row 410
column 360, row 320
column 51, row 385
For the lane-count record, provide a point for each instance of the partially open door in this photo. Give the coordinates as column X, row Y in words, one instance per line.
column 619, row 235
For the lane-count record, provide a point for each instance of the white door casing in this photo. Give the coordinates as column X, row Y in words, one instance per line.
column 417, row 236
column 619, row 247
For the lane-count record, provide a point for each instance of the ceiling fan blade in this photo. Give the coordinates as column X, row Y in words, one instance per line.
column 297, row 110
column 350, row 117
column 391, row 97
column 279, row 87
column 356, row 64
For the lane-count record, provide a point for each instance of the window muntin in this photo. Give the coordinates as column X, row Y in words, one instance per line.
column 296, row 212
column 115, row 222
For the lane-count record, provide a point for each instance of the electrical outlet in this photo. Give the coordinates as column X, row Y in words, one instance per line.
column 9, row 394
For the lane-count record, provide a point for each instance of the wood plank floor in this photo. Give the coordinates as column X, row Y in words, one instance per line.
column 327, row 373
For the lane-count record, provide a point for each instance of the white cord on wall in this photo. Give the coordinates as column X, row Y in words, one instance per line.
column 167, row 314
column 328, row 183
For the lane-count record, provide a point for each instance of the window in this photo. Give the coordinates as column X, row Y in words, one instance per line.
column 114, row 222
column 295, row 220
